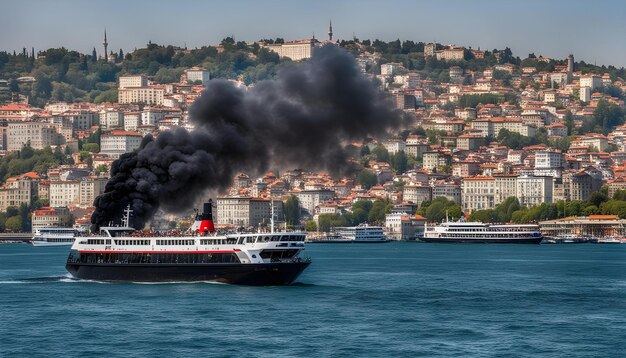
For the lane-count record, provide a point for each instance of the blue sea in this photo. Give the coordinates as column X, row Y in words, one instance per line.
column 380, row 300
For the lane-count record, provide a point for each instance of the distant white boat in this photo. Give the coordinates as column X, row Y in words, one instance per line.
column 54, row 236
column 362, row 234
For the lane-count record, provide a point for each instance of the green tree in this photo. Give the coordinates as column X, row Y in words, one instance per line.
column 14, row 223
column 485, row 216
column 381, row 154
column 379, row 210
column 91, row 147
column 399, row 162
column 292, row 210
column 437, row 209
column 101, row 169
column 310, row 226
column 366, row 179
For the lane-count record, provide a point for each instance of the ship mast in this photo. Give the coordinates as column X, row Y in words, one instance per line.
column 126, row 219
column 272, row 219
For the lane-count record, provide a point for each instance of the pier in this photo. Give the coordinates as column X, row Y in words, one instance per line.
column 15, row 237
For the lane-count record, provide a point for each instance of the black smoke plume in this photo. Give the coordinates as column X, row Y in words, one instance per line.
column 302, row 119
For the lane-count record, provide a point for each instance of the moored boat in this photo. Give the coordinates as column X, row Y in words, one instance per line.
column 54, row 236
column 361, row 234
column 476, row 232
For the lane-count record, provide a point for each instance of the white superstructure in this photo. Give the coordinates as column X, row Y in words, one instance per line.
column 483, row 233
column 54, row 236
column 362, row 233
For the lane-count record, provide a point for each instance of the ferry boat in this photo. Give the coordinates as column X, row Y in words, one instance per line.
column 477, row 232
column 54, row 236
column 352, row 234
column 122, row 254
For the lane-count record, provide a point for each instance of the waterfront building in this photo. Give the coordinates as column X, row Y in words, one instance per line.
column 590, row 226
column 478, row 193
column 534, row 190
column 505, row 186
column 401, row 226
column 50, row 217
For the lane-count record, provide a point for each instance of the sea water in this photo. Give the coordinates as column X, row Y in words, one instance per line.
column 377, row 300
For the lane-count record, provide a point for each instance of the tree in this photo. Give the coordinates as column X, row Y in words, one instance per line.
column 292, row 210
column 485, row 216
column 366, row 179
column 399, row 162
column 102, row 168
column 91, row 147
column 310, row 226
column 14, row 86
column 14, row 223
column 379, row 210
column 437, row 209
column 381, row 153
column 607, row 115
column 365, row 150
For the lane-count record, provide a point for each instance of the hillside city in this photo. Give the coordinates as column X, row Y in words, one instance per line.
column 494, row 137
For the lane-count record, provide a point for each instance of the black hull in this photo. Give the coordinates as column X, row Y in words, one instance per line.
column 347, row 242
column 534, row 240
column 270, row 274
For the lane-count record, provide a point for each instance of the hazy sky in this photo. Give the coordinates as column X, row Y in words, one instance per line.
column 591, row 30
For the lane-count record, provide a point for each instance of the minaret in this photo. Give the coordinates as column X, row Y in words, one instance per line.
column 570, row 69
column 330, row 30
column 106, row 45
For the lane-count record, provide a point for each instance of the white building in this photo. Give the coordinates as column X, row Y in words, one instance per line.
column 64, row 192
column 197, row 74
column 393, row 146
column 584, row 94
column 89, row 189
column 132, row 120
column 110, row 119
column 548, row 163
column 133, row 81
column 401, row 226
column 534, row 190
column 505, row 186
column 38, row 134
column 152, row 95
column 478, row 193
column 247, row 211
column 309, row 199
column 119, row 142
column 591, row 81
column 417, row 194
column 50, row 217
column 295, row 50
column 151, row 116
